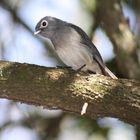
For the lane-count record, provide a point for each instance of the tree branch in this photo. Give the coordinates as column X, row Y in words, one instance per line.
column 109, row 15
column 64, row 89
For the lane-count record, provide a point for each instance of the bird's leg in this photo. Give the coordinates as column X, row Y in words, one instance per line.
column 79, row 69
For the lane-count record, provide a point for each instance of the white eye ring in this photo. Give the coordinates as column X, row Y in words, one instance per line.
column 43, row 24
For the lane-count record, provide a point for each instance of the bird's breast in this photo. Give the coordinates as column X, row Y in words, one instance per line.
column 74, row 55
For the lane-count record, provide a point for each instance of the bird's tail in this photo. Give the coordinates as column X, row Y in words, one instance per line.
column 104, row 69
column 109, row 73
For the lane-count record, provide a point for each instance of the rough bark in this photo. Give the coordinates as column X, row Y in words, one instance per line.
column 64, row 89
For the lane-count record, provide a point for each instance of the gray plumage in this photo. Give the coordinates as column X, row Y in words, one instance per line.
column 72, row 45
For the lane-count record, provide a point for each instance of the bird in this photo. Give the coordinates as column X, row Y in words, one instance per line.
column 72, row 45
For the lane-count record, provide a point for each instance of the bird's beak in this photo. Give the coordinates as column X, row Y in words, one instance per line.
column 37, row 32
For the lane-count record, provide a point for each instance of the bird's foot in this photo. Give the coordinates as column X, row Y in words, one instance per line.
column 61, row 67
column 91, row 72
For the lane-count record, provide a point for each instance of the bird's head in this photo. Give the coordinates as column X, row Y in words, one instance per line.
column 48, row 26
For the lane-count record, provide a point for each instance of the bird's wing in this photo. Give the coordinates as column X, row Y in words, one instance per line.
column 96, row 55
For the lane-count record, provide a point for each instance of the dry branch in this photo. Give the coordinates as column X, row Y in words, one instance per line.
column 64, row 89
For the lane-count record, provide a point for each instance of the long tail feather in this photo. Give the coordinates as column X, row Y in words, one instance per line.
column 109, row 73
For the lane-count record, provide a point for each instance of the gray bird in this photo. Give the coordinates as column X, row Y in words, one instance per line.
column 72, row 45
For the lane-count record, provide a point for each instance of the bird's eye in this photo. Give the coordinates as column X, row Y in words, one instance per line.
column 44, row 24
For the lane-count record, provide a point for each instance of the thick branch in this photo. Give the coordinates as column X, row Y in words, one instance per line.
column 67, row 90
